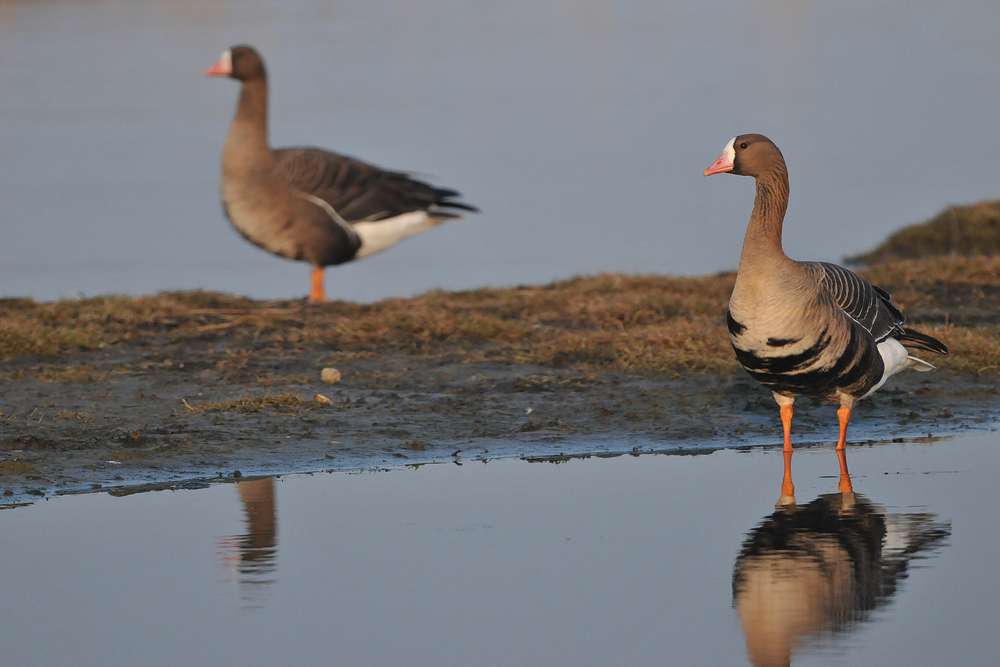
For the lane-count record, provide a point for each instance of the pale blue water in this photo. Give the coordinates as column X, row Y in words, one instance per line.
column 624, row 561
column 580, row 129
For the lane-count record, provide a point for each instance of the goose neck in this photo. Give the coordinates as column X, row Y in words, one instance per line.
column 250, row 122
column 763, row 237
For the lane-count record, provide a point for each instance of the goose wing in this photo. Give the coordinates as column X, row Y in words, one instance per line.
column 869, row 306
column 865, row 303
column 360, row 191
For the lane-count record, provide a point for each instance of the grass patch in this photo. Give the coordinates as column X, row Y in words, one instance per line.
column 638, row 324
column 17, row 469
column 283, row 403
column 69, row 375
column 126, row 455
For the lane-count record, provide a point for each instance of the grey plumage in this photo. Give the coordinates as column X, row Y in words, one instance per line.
column 868, row 305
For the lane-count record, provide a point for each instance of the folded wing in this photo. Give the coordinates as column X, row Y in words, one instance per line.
column 869, row 305
column 360, row 191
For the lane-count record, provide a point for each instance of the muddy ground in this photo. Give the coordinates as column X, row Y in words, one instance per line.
column 182, row 414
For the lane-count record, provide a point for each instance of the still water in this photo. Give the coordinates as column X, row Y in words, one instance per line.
column 646, row 560
column 580, row 128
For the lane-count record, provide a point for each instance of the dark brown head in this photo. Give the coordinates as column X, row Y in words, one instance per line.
column 748, row 155
column 242, row 63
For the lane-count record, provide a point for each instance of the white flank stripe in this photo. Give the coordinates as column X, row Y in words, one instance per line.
column 325, row 205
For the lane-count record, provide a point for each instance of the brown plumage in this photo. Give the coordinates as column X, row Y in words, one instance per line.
column 309, row 204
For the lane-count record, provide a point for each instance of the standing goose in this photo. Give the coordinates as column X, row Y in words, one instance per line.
column 309, row 204
column 807, row 328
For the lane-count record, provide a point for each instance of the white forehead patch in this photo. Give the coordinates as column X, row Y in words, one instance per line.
column 227, row 59
column 730, row 151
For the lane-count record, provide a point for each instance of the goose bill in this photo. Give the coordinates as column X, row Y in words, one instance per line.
column 722, row 165
column 222, row 68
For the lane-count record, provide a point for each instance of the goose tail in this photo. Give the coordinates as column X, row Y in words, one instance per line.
column 912, row 338
column 918, row 364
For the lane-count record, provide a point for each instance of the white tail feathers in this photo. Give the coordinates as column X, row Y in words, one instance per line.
column 896, row 358
column 378, row 235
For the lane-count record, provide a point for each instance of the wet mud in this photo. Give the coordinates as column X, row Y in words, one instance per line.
column 145, row 416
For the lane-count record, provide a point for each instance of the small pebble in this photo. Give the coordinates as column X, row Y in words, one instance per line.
column 320, row 398
column 330, row 375
column 237, row 474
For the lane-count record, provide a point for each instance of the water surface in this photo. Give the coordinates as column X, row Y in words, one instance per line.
column 628, row 560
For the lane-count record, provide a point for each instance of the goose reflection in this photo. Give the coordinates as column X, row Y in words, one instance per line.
column 251, row 557
column 816, row 570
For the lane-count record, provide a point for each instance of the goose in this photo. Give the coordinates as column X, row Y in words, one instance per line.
column 309, row 204
column 807, row 328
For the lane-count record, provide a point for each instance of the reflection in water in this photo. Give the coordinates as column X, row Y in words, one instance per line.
column 819, row 569
column 251, row 557
column 788, row 488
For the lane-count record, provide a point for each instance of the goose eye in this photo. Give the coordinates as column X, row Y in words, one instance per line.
column 743, row 144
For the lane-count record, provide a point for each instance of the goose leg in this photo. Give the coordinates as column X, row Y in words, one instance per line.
column 786, row 423
column 317, row 293
column 845, row 477
column 844, row 415
column 787, row 488
column 785, row 408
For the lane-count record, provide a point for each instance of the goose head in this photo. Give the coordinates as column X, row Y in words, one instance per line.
column 747, row 155
column 242, row 63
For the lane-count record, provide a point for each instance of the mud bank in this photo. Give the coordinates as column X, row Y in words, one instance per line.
column 139, row 416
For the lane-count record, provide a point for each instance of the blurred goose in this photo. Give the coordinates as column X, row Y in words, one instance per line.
column 807, row 328
column 309, row 204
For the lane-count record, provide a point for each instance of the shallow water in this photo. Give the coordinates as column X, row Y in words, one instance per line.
column 580, row 129
column 629, row 560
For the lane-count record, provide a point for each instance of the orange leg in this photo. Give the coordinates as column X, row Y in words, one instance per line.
column 317, row 293
column 845, row 477
column 787, row 488
column 786, row 422
column 844, row 415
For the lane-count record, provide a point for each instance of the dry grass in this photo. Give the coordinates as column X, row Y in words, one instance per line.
column 643, row 324
column 17, row 469
column 125, row 455
column 51, row 329
column 70, row 375
column 979, row 270
column 283, row 403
